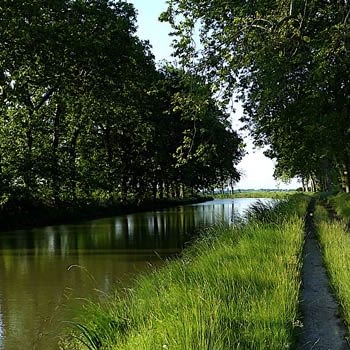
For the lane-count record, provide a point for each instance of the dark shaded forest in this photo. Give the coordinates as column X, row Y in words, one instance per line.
column 87, row 116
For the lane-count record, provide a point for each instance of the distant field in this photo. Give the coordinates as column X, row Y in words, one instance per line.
column 256, row 194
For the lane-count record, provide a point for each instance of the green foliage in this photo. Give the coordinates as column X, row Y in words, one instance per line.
column 84, row 111
column 279, row 210
column 204, row 147
column 341, row 204
column 288, row 62
column 237, row 288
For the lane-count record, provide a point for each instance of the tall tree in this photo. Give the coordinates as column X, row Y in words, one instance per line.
column 197, row 133
column 288, row 61
column 71, row 71
column 86, row 116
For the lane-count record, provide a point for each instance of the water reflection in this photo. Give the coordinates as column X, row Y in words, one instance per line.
column 1, row 326
column 43, row 271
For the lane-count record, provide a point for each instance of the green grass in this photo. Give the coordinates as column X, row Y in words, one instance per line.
column 236, row 288
column 257, row 194
column 341, row 203
column 335, row 242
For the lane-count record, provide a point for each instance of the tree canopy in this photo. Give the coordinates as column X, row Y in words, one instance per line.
column 86, row 115
column 288, row 62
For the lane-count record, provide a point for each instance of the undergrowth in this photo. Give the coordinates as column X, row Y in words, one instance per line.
column 341, row 204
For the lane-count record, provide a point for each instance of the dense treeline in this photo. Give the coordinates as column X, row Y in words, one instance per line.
column 85, row 114
column 288, row 62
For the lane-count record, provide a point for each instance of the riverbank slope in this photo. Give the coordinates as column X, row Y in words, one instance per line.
column 236, row 287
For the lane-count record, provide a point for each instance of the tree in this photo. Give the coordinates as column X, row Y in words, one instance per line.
column 92, row 118
column 288, row 61
column 195, row 132
column 67, row 68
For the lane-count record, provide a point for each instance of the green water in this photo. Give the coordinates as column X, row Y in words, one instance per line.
column 45, row 273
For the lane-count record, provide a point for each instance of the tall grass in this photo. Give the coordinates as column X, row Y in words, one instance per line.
column 341, row 204
column 335, row 242
column 278, row 210
column 236, row 288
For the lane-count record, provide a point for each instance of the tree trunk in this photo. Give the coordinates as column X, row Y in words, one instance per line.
column 327, row 183
column 167, row 189
column 304, row 184
column 346, row 180
column 55, row 143
column 161, row 190
column 73, row 170
column 154, row 190
column 28, row 171
column 124, row 189
column 313, row 184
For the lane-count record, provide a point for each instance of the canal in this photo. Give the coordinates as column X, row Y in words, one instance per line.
column 46, row 273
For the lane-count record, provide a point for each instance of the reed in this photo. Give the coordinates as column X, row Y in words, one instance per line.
column 235, row 288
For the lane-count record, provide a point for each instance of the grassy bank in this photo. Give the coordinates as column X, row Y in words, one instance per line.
column 335, row 242
column 236, row 288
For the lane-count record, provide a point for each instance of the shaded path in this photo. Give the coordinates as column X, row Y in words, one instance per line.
column 323, row 329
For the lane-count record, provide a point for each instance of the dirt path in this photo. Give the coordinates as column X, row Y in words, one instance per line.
column 322, row 327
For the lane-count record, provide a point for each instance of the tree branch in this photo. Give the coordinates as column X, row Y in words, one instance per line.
column 47, row 95
column 347, row 17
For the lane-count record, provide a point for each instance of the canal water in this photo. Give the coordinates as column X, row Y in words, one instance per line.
column 46, row 273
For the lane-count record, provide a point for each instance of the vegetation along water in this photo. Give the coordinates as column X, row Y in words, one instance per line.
column 237, row 287
column 333, row 231
column 46, row 272
column 89, row 121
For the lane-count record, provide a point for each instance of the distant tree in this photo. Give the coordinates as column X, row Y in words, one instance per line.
column 197, row 134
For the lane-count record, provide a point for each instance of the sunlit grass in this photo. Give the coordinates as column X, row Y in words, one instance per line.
column 257, row 194
column 236, row 288
column 335, row 242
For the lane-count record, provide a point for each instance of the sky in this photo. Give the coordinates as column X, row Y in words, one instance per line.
column 257, row 170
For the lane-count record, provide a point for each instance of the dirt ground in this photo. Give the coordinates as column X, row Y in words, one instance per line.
column 322, row 327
